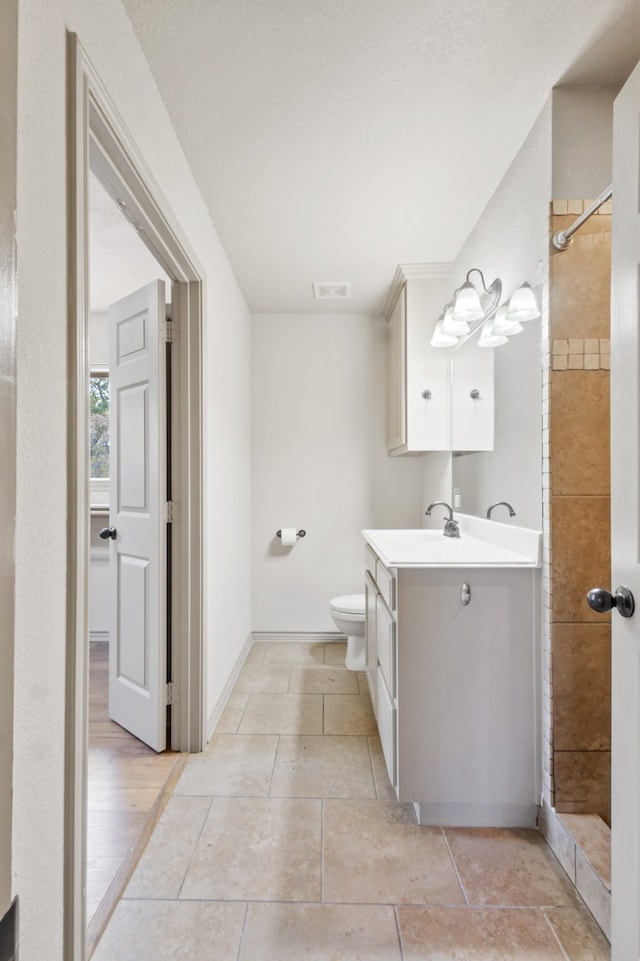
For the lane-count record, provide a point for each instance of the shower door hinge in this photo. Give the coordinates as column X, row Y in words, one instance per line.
column 171, row 512
column 169, row 331
column 171, row 692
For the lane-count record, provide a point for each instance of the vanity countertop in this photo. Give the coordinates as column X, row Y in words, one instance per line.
column 482, row 543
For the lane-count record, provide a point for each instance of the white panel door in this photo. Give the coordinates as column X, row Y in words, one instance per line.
column 625, row 523
column 137, row 467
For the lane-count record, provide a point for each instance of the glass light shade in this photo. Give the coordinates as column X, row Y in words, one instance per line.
column 452, row 326
column 466, row 304
column 504, row 327
column 440, row 339
column 523, row 305
column 488, row 338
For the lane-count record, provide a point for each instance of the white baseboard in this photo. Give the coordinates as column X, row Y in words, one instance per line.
column 216, row 714
column 101, row 636
column 307, row 637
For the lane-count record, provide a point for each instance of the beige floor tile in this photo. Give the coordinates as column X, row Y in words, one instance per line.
column 263, row 678
column 578, row 934
column 508, row 867
column 321, row 767
column 256, row 849
column 323, row 679
column 349, row 714
column 362, row 684
column 476, row 934
column 256, row 653
column 294, row 652
column 335, row 653
column 285, row 714
column 232, row 715
column 374, row 852
column 320, row 932
column 161, row 869
column 232, row 765
column 384, row 788
column 593, row 837
column 172, row 931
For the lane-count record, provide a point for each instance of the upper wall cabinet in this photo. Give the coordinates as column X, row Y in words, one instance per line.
column 436, row 399
column 471, row 397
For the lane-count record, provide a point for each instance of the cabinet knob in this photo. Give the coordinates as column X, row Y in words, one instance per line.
column 426, row 394
column 475, row 394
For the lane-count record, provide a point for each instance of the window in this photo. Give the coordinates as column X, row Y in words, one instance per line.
column 99, row 437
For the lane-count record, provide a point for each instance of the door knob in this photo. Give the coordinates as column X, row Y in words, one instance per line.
column 602, row 601
column 108, row 532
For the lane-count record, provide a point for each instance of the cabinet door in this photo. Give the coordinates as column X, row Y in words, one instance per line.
column 396, row 375
column 428, row 370
column 386, row 644
column 370, row 593
column 471, row 415
column 387, row 726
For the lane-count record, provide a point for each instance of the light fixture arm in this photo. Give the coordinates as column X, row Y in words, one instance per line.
column 476, row 270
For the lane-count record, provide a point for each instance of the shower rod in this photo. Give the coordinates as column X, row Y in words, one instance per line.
column 564, row 238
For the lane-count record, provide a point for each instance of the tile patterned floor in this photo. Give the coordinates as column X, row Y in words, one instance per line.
column 283, row 842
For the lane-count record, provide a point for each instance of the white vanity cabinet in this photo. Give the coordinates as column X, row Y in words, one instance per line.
column 437, row 400
column 455, row 689
column 471, row 398
column 416, row 423
column 380, row 627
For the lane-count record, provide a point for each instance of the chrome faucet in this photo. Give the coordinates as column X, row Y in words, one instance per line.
column 512, row 513
column 451, row 527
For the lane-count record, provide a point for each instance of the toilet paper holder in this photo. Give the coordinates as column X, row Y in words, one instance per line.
column 299, row 533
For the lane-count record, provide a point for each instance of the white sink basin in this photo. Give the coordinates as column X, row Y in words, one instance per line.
column 481, row 544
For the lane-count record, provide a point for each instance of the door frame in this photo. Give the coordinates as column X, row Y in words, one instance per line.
column 97, row 138
column 8, row 376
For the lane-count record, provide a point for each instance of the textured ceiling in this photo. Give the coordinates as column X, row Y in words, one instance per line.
column 334, row 139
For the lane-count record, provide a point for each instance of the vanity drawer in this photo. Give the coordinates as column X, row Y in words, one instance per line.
column 386, row 644
column 370, row 560
column 386, row 717
column 386, row 585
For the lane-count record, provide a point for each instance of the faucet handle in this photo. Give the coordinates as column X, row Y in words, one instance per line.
column 451, row 529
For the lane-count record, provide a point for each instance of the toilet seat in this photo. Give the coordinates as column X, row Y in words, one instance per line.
column 349, row 604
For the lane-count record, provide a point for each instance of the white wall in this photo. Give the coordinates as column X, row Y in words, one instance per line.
column 41, row 525
column 320, row 462
column 582, row 141
column 511, row 241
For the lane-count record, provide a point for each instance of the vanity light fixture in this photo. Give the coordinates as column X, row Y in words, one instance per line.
column 451, row 325
column 488, row 336
column 503, row 326
column 460, row 319
column 472, row 306
column 441, row 339
column 523, row 305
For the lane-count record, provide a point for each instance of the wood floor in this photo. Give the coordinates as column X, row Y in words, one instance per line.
column 128, row 787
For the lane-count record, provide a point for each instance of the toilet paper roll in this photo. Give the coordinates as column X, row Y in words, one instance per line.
column 289, row 536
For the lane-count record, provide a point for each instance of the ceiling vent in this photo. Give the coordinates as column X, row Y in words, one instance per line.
column 332, row 291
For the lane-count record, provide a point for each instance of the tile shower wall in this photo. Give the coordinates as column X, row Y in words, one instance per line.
column 577, row 660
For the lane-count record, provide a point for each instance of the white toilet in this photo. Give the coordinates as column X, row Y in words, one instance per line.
column 348, row 615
